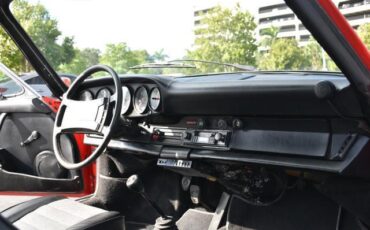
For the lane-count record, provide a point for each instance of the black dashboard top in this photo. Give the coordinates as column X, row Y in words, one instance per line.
column 248, row 93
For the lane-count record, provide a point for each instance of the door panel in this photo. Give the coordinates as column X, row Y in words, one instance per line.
column 16, row 128
column 33, row 167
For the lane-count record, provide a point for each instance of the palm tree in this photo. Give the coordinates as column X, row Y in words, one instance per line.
column 159, row 55
column 269, row 36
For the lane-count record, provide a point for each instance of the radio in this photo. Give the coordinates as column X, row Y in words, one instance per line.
column 215, row 138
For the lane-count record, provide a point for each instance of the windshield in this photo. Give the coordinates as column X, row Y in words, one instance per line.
column 146, row 36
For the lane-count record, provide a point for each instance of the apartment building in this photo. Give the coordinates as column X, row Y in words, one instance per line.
column 279, row 15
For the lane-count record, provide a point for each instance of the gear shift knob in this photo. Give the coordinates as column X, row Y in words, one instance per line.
column 134, row 183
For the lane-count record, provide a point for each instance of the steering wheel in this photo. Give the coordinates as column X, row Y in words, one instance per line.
column 98, row 116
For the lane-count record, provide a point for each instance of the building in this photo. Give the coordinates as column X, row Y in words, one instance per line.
column 279, row 15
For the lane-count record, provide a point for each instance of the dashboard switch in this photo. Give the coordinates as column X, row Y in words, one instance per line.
column 187, row 136
column 221, row 124
column 219, row 137
column 237, row 123
column 201, row 123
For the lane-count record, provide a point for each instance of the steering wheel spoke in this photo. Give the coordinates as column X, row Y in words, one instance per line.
column 98, row 116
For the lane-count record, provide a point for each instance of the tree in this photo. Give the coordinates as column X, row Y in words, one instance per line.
column 228, row 36
column 67, row 50
column 43, row 30
column 364, row 33
column 121, row 57
column 313, row 54
column 81, row 61
column 91, row 55
column 158, row 56
column 269, row 35
column 284, row 54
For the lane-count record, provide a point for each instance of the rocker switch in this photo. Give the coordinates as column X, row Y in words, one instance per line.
column 34, row 136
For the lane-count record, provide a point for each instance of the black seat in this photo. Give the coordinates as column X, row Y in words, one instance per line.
column 57, row 212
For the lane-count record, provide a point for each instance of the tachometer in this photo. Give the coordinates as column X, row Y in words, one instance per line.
column 141, row 100
column 155, row 98
column 126, row 102
column 86, row 95
column 104, row 92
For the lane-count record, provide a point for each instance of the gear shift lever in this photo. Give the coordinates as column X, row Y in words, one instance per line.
column 134, row 183
column 163, row 222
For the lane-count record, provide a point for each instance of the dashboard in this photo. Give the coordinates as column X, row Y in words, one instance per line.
column 302, row 120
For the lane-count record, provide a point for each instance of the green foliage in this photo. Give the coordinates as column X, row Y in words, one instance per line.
column 228, row 36
column 81, row 61
column 284, row 54
column 158, row 56
column 364, row 33
column 43, row 30
column 269, row 35
column 67, row 50
column 10, row 54
column 313, row 55
column 121, row 57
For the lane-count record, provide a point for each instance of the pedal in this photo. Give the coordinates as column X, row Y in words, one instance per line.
column 195, row 194
column 185, row 183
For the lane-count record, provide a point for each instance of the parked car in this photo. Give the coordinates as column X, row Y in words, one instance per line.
column 36, row 82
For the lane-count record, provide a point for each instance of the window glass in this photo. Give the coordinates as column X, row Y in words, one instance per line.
column 8, row 87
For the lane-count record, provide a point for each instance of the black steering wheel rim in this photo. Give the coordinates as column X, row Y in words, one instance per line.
column 99, row 122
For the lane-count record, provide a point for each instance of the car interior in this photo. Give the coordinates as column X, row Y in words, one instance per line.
column 241, row 150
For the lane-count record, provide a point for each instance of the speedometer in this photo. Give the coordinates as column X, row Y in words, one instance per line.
column 155, row 98
column 141, row 100
column 104, row 92
column 86, row 95
column 126, row 100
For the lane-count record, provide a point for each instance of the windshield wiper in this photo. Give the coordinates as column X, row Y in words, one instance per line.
column 162, row 66
column 236, row 66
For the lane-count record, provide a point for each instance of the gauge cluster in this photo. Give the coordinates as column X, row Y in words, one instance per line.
column 138, row 99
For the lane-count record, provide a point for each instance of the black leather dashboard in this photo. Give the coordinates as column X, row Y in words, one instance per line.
column 284, row 119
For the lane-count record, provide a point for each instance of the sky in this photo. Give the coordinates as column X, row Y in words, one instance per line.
column 142, row 24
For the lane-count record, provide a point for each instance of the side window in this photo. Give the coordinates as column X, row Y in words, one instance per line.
column 8, row 87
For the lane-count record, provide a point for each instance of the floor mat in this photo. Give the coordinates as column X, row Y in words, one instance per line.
column 298, row 209
column 194, row 220
column 138, row 226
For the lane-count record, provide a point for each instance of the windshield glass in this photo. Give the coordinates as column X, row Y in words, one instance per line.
column 146, row 36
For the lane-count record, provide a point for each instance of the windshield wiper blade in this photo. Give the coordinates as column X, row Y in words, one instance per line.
column 162, row 66
column 237, row 66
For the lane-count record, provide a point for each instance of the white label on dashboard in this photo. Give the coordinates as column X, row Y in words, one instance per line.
column 174, row 163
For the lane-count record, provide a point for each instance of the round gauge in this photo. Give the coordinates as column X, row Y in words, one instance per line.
column 141, row 99
column 126, row 100
column 104, row 92
column 155, row 99
column 86, row 95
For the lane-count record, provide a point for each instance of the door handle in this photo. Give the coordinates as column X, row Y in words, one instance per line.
column 34, row 136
